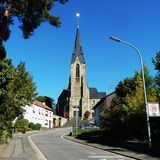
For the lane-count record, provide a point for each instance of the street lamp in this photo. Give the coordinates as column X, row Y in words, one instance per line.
column 76, row 109
column 144, row 86
column 77, row 112
column 65, row 107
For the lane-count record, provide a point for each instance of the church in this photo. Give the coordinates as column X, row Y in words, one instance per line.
column 78, row 97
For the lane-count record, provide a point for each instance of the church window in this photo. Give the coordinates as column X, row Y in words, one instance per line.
column 77, row 72
column 74, row 113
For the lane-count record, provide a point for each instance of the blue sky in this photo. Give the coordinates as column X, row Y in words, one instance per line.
column 48, row 53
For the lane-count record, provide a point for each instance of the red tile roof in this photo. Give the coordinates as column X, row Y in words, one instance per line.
column 41, row 104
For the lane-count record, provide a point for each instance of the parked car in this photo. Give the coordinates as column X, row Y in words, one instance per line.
column 89, row 126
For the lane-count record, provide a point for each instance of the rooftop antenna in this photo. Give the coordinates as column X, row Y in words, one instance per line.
column 77, row 15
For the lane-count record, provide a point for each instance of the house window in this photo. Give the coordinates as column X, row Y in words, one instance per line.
column 33, row 110
column 46, row 113
column 46, row 122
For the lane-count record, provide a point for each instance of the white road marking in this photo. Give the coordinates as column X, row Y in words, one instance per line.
column 105, row 157
column 39, row 154
column 63, row 136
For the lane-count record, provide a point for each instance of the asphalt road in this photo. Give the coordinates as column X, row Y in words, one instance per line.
column 54, row 147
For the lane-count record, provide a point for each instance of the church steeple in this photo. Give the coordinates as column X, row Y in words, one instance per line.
column 77, row 50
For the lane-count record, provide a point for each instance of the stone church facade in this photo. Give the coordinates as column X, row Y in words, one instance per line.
column 78, row 97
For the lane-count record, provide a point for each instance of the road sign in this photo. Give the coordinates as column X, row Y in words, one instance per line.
column 153, row 109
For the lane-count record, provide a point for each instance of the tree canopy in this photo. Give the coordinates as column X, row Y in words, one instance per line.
column 128, row 112
column 17, row 89
column 48, row 101
column 30, row 14
column 156, row 63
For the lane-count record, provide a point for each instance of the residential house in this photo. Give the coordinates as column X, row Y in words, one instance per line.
column 39, row 112
column 98, row 108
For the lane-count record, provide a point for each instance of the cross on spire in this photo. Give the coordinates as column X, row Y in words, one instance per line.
column 77, row 15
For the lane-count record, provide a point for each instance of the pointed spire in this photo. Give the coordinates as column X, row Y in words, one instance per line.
column 77, row 50
column 77, row 45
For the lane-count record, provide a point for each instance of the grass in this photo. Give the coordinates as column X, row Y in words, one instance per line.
column 82, row 132
column 79, row 132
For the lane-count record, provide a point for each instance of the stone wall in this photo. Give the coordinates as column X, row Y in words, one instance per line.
column 58, row 121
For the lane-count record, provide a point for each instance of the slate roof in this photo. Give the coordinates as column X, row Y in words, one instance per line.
column 108, row 99
column 94, row 94
column 64, row 94
column 77, row 50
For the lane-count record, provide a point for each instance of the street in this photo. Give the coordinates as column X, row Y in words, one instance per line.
column 54, row 147
column 51, row 145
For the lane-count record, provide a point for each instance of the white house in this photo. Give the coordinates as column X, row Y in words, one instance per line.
column 39, row 112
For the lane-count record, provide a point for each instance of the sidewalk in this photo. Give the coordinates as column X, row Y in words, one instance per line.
column 18, row 148
column 2, row 148
column 117, row 150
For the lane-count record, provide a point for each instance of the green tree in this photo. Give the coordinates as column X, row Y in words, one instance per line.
column 48, row 101
column 127, row 114
column 155, row 123
column 16, row 90
column 156, row 63
column 30, row 14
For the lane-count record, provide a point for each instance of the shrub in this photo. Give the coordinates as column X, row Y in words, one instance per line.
column 38, row 126
column 91, row 134
column 4, row 135
column 29, row 129
column 31, row 125
column 21, row 124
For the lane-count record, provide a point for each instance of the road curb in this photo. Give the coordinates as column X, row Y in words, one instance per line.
column 39, row 154
column 2, row 148
column 98, row 147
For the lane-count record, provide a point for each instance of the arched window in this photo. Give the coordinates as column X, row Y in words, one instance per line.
column 77, row 72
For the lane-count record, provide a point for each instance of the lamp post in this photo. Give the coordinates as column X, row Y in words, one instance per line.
column 76, row 119
column 144, row 86
column 67, row 104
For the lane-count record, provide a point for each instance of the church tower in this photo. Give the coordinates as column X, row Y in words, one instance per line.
column 79, row 92
column 78, row 97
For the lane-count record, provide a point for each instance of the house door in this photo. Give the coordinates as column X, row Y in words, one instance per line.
column 59, row 121
column 50, row 124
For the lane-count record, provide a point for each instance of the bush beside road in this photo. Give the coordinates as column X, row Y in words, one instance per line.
column 102, row 137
